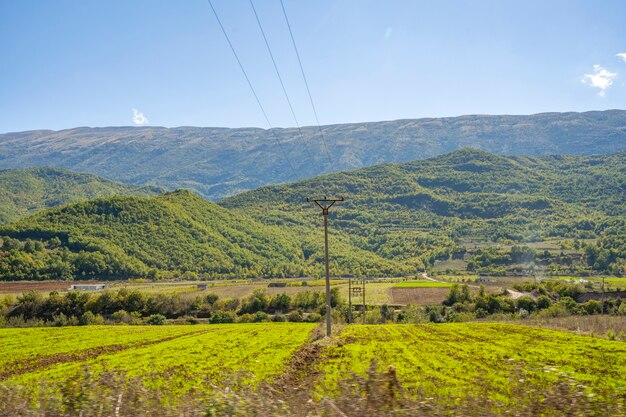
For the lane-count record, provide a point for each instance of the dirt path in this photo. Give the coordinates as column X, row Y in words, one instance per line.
column 302, row 372
column 426, row 277
column 29, row 365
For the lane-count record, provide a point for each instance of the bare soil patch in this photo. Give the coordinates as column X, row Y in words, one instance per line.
column 418, row 296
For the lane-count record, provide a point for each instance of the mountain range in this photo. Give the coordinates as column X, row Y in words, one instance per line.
column 220, row 162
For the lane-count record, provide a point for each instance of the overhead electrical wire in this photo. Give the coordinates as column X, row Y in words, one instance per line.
column 306, row 83
column 282, row 84
column 256, row 97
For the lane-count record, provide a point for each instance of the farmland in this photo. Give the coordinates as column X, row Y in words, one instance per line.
column 380, row 291
column 454, row 359
column 183, row 357
column 444, row 359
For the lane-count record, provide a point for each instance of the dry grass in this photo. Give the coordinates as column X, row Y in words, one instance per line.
column 612, row 327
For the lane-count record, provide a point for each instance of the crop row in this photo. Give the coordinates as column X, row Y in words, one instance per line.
column 212, row 354
column 460, row 359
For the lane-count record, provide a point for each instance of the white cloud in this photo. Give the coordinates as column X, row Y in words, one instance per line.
column 388, row 32
column 139, row 119
column 622, row 56
column 601, row 78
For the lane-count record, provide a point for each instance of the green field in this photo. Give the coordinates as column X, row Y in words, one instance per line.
column 422, row 284
column 457, row 359
column 179, row 357
column 442, row 359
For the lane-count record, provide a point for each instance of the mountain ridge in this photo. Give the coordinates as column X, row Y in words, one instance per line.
column 219, row 162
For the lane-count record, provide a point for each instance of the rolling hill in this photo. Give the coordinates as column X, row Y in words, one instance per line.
column 171, row 235
column 25, row 191
column 397, row 220
column 431, row 209
column 219, row 162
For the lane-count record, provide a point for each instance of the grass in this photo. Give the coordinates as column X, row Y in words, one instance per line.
column 176, row 358
column 479, row 364
column 25, row 347
column 454, row 359
column 611, row 327
column 422, row 284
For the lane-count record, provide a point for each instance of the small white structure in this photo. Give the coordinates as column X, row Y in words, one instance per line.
column 88, row 287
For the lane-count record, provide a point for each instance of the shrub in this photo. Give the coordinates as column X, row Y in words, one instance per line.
column 526, row 303
column 211, row 298
column 156, row 319
column 245, row 318
column 88, row 318
column 278, row 318
column 295, row 317
column 222, row 317
column 313, row 318
column 543, row 302
column 120, row 316
column 260, row 316
column 592, row 307
column 569, row 304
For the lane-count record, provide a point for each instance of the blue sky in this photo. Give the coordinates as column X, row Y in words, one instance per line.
column 90, row 63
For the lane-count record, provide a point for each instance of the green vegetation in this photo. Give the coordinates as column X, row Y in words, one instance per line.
column 488, row 211
column 170, row 236
column 136, row 307
column 26, row 191
column 421, row 284
column 181, row 360
column 459, row 359
column 277, row 369
column 443, row 208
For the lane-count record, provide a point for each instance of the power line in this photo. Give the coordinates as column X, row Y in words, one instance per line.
column 256, row 97
column 282, row 84
column 308, row 90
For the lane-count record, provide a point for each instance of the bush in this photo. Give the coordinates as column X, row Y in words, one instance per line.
column 121, row 316
column 526, row 303
column 156, row 319
column 480, row 313
column 543, row 302
column 222, row 317
column 313, row 318
column 211, row 298
column 296, row 317
column 260, row 316
column 88, row 318
column 592, row 307
column 278, row 318
column 569, row 304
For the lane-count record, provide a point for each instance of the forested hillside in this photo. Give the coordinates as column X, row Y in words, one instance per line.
column 440, row 207
column 25, row 191
column 218, row 162
column 398, row 219
column 173, row 235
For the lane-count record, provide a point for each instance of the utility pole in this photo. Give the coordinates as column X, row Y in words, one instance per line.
column 325, row 204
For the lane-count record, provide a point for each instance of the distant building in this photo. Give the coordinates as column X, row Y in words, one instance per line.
column 202, row 286
column 483, row 280
column 88, row 287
